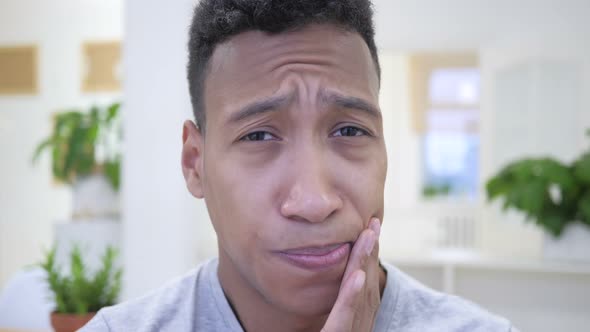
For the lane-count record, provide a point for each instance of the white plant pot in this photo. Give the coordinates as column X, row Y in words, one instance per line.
column 94, row 197
column 573, row 245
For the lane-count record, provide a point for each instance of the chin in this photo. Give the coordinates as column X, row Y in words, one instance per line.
column 314, row 301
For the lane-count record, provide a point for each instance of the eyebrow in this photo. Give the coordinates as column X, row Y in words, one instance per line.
column 262, row 106
column 350, row 102
column 275, row 103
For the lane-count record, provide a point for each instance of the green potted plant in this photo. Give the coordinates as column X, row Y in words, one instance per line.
column 85, row 152
column 554, row 195
column 79, row 294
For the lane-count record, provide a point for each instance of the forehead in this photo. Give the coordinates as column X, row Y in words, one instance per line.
column 256, row 64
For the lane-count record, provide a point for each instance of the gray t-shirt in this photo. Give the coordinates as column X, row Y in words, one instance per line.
column 196, row 302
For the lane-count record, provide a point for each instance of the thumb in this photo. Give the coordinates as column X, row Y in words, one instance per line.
column 341, row 318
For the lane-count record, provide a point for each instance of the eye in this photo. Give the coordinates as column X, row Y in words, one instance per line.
column 258, row 136
column 350, row 131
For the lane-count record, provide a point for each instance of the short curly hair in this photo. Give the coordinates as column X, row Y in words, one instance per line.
column 215, row 21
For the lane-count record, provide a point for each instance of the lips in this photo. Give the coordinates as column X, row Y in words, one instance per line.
column 317, row 257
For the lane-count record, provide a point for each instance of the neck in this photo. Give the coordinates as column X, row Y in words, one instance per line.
column 255, row 313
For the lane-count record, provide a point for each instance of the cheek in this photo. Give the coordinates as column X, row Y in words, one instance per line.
column 237, row 200
column 363, row 181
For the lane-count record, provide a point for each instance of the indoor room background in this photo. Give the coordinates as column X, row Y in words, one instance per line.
column 467, row 87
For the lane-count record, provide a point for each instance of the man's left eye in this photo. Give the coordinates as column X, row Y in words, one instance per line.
column 350, row 131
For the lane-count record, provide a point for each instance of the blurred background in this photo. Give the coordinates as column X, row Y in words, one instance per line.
column 468, row 88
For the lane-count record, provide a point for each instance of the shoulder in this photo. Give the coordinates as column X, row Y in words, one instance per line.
column 167, row 307
column 415, row 307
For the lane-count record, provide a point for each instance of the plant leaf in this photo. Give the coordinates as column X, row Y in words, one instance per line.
column 584, row 207
column 582, row 168
column 553, row 223
column 112, row 112
column 44, row 145
column 112, row 170
column 74, row 141
column 525, row 185
column 79, row 292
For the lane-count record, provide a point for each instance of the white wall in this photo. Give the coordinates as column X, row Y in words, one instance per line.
column 30, row 202
column 471, row 24
column 166, row 231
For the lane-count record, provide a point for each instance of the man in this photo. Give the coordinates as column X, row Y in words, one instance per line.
column 288, row 153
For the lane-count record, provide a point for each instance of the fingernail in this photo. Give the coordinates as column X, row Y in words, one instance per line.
column 376, row 226
column 359, row 280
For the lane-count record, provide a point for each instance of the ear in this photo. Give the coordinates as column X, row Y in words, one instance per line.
column 192, row 158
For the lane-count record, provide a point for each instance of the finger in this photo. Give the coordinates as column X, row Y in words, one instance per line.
column 363, row 247
column 342, row 316
column 366, row 245
column 372, row 290
column 363, row 260
column 373, row 268
column 375, row 226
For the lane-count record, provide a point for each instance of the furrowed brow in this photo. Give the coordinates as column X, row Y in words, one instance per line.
column 350, row 102
column 265, row 105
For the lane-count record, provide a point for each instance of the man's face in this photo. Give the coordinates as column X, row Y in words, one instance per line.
column 293, row 160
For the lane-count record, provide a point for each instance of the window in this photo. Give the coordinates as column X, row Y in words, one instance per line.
column 447, row 89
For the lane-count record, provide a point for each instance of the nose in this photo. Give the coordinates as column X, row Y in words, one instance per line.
column 312, row 196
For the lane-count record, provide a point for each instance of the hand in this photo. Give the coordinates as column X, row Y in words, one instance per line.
column 359, row 296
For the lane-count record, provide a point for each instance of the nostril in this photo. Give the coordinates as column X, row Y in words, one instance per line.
column 332, row 214
column 297, row 219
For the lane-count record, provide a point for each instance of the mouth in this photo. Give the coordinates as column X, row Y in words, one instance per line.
column 317, row 257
